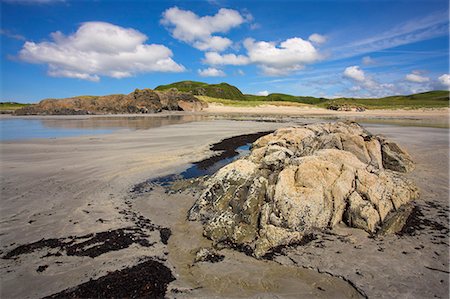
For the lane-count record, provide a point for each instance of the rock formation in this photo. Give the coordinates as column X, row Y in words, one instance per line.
column 302, row 179
column 139, row 101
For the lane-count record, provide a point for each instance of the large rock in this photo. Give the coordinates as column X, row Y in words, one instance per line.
column 298, row 180
column 172, row 99
column 139, row 101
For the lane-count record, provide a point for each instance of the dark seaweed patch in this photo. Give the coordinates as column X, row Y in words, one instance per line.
column 91, row 245
column 145, row 280
column 41, row 268
column 417, row 222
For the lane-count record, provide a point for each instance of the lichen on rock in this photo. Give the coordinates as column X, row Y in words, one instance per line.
column 301, row 179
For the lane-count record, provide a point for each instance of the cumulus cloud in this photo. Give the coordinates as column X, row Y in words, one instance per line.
column 214, row 58
column 273, row 59
column 317, row 38
column 198, row 31
column 211, row 72
column 290, row 55
column 99, row 49
column 416, row 78
column 366, row 85
column 263, row 93
column 445, row 80
column 355, row 73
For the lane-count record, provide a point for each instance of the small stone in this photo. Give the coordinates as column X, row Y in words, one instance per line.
column 208, row 255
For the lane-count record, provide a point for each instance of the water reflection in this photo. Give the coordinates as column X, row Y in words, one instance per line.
column 133, row 122
column 14, row 128
column 27, row 128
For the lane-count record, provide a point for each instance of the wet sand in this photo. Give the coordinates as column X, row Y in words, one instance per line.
column 75, row 186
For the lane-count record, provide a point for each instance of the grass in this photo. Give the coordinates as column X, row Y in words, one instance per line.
column 221, row 91
column 431, row 99
column 11, row 106
column 247, row 103
column 281, row 97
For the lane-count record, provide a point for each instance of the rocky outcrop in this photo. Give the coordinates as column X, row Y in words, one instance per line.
column 139, row 101
column 302, row 179
column 175, row 100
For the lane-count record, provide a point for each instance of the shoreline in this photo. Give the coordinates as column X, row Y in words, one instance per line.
column 214, row 109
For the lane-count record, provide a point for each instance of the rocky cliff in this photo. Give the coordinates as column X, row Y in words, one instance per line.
column 139, row 101
column 302, row 179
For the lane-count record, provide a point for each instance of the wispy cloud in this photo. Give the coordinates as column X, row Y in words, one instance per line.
column 431, row 26
column 12, row 35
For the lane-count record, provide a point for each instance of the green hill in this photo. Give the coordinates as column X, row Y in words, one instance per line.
column 430, row 99
column 281, row 97
column 222, row 90
column 11, row 106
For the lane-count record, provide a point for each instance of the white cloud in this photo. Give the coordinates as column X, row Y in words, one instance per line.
column 280, row 71
column 355, row 73
column 317, row 38
column 445, row 80
column 100, row 49
column 240, row 72
column 274, row 60
column 198, row 31
column 216, row 43
column 290, row 55
column 367, row 60
column 416, row 78
column 214, row 58
column 263, row 93
column 211, row 72
column 366, row 85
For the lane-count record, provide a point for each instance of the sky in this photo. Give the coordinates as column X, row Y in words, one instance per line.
column 359, row 48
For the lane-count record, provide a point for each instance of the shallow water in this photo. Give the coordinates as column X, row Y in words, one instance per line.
column 20, row 128
column 12, row 128
column 195, row 170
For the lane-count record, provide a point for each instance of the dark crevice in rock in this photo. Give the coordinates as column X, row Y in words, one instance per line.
column 148, row 279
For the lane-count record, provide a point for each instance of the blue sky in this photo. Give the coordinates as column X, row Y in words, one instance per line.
column 62, row 48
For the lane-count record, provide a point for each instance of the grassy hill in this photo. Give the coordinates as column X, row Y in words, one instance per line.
column 221, row 91
column 10, row 106
column 281, row 97
column 430, row 99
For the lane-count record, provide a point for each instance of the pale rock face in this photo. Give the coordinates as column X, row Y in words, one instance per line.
column 298, row 180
